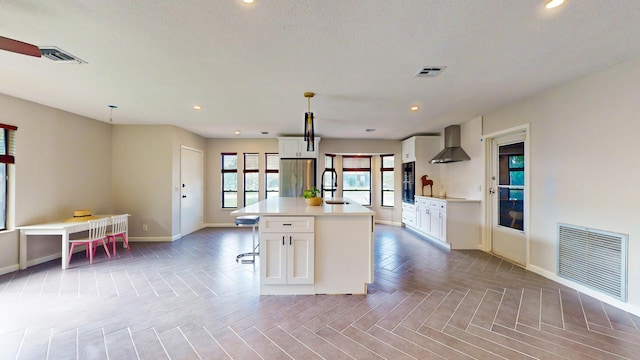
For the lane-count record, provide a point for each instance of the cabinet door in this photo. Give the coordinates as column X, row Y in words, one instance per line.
column 289, row 148
column 409, row 150
column 443, row 226
column 273, row 258
column 300, row 258
column 435, row 223
column 425, row 220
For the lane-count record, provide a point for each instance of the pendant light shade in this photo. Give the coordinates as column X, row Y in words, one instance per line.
column 309, row 133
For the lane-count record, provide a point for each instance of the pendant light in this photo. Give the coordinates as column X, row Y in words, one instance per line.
column 308, row 123
column 111, row 114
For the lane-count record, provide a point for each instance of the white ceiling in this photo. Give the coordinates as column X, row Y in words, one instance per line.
column 249, row 65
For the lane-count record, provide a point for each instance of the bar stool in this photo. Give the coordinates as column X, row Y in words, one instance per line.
column 249, row 220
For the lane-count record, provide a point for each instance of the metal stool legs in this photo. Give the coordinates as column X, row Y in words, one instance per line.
column 254, row 253
column 253, row 222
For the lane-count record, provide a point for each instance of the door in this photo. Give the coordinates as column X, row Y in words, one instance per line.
column 191, row 192
column 508, row 197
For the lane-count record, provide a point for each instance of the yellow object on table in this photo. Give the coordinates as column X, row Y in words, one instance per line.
column 81, row 215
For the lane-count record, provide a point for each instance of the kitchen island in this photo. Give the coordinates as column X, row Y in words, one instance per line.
column 326, row 249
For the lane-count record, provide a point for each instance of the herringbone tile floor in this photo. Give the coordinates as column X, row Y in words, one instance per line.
column 191, row 300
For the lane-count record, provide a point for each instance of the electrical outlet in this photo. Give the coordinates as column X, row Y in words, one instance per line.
column 144, row 227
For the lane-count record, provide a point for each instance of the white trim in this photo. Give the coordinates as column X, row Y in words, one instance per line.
column 220, row 225
column 387, row 222
column 585, row 290
column 155, row 239
column 9, row 269
column 488, row 204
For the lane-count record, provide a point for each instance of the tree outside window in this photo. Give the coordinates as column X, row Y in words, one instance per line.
column 356, row 179
column 387, row 175
column 251, row 178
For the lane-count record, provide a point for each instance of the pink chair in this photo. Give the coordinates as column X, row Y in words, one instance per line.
column 97, row 235
column 118, row 229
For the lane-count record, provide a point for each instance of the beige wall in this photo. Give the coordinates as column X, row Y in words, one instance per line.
column 63, row 163
column 214, row 214
column 583, row 161
column 464, row 178
column 146, row 177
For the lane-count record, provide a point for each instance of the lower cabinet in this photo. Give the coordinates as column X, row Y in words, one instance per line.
column 287, row 257
column 456, row 224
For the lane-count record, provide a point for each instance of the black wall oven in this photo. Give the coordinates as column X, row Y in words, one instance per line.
column 408, row 182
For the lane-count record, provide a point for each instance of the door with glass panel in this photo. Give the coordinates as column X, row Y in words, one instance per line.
column 507, row 189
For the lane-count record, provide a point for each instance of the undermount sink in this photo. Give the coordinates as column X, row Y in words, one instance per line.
column 336, row 202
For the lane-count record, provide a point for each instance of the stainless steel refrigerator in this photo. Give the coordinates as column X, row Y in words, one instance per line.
column 296, row 176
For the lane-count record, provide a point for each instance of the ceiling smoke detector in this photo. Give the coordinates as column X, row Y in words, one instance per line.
column 59, row 55
column 430, row 71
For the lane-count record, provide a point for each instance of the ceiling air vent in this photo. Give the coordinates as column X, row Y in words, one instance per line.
column 430, row 71
column 55, row 54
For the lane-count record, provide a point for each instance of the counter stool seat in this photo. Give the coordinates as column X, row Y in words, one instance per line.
column 249, row 220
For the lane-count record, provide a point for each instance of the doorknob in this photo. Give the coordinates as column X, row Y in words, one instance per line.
column 492, row 191
column 184, row 196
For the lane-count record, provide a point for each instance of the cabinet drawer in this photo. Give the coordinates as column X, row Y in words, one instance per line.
column 438, row 205
column 286, row 224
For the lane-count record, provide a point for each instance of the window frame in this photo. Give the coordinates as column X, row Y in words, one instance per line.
column 384, row 170
column 246, row 171
column 346, row 171
column 268, row 171
column 7, row 157
column 227, row 171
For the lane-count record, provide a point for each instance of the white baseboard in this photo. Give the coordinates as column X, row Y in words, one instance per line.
column 220, row 225
column 585, row 290
column 386, row 222
column 155, row 238
column 10, row 268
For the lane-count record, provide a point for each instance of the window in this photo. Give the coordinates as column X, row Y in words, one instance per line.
column 386, row 174
column 7, row 156
column 272, row 176
column 511, row 185
column 329, row 178
column 251, row 178
column 229, row 180
column 356, row 178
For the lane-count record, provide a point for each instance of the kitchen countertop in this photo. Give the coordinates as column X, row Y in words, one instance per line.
column 296, row 206
column 447, row 199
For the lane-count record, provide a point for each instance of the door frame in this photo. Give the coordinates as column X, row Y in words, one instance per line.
column 488, row 207
column 201, row 205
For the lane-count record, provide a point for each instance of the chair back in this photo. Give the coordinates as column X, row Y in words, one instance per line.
column 119, row 224
column 98, row 228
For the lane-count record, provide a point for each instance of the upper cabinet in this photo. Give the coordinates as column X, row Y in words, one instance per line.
column 420, row 148
column 296, row 147
column 409, row 150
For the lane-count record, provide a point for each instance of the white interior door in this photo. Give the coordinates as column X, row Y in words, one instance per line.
column 191, row 191
column 508, row 197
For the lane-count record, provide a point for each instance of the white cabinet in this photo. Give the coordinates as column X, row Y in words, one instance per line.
column 296, row 147
column 409, row 150
column 452, row 222
column 408, row 214
column 287, row 250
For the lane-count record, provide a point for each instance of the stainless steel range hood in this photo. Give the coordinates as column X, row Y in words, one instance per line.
column 452, row 151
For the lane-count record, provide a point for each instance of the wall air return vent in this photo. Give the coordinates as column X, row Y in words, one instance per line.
column 430, row 71
column 594, row 258
column 59, row 55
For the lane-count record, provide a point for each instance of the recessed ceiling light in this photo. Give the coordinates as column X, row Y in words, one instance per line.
column 414, row 108
column 197, row 107
column 237, row 132
column 247, row 1
column 554, row 3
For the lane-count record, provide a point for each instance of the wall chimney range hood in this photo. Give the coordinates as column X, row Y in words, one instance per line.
column 452, row 151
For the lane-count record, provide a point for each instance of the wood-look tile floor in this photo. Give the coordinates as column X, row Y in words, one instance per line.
column 191, row 300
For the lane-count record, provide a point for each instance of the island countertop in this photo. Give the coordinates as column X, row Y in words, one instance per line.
column 296, row 206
